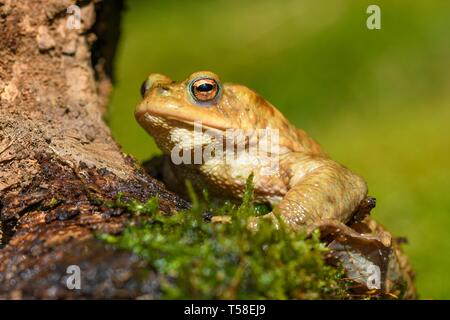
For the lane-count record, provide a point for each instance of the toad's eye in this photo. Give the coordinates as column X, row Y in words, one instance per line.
column 204, row 89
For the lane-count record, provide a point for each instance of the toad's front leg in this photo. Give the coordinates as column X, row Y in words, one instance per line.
column 320, row 189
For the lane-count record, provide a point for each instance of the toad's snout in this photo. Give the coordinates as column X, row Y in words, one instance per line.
column 153, row 80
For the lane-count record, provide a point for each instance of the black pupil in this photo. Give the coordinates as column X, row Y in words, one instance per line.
column 205, row 87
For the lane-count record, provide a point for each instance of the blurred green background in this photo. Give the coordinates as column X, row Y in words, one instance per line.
column 377, row 100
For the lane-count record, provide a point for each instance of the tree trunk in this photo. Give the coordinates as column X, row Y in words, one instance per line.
column 58, row 161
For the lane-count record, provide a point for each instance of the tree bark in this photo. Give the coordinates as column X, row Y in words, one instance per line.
column 58, row 161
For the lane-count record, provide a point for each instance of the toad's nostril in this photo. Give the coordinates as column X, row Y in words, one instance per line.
column 153, row 80
column 144, row 88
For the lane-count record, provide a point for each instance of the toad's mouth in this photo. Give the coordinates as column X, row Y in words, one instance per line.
column 150, row 122
column 144, row 115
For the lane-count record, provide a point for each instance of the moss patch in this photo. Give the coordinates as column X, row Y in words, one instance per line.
column 204, row 260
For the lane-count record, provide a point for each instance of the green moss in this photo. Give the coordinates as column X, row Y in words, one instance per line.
column 202, row 260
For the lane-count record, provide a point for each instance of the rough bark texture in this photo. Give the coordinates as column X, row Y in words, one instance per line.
column 58, row 161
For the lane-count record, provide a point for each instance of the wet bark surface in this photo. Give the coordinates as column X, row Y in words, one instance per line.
column 58, row 161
